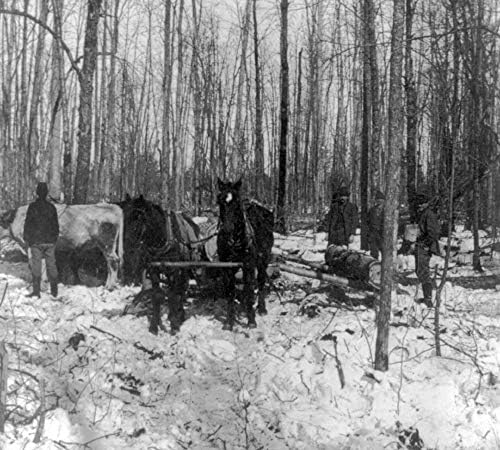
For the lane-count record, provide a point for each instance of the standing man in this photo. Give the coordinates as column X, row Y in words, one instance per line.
column 41, row 230
column 342, row 219
column 427, row 244
column 376, row 225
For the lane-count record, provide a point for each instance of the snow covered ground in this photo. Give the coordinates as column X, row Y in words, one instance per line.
column 298, row 381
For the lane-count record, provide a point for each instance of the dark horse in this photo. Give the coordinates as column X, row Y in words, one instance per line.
column 245, row 235
column 152, row 234
column 144, row 230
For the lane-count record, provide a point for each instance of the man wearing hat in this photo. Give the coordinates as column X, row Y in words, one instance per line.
column 427, row 244
column 376, row 225
column 41, row 230
column 342, row 219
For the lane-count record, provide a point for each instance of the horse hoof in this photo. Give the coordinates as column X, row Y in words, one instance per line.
column 252, row 324
column 153, row 331
column 228, row 326
column 262, row 310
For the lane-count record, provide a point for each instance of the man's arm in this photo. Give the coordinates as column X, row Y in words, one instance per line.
column 28, row 226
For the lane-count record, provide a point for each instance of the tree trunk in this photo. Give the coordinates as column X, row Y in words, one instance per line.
column 167, row 101
column 197, row 95
column 280, row 206
column 259, row 135
column 34, row 144
column 239, row 147
column 375, row 150
column 85, row 108
column 22, row 138
column 411, row 115
column 296, row 187
column 366, row 127
column 109, row 147
column 395, row 144
column 177, row 147
column 57, row 99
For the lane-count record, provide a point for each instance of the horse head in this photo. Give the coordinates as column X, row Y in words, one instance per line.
column 230, row 205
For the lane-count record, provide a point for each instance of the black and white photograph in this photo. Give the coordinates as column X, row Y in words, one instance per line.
column 249, row 224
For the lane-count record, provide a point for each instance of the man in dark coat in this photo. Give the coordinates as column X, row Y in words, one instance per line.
column 342, row 219
column 41, row 230
column 376, row 225
column 427, row 244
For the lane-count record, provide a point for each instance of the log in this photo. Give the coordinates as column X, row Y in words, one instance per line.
column 333, row 279
column 312, row 264
column 353, row 264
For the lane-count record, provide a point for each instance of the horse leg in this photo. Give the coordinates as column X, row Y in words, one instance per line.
column 157, row 298
column 178, row 285
column 229, row 290
column 248, row 294
column 261, row 283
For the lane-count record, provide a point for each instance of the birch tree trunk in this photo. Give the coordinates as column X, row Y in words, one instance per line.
column 85, row 106
column 25, row 153
column 34, row 145
column 238, row 150
column 57, row 98
column 108, row 146
column 395, row 144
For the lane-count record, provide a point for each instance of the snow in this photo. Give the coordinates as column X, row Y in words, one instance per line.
column 275, row 387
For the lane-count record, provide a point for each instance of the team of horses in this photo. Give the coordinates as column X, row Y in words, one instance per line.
column 150, row 234
column 244, row 235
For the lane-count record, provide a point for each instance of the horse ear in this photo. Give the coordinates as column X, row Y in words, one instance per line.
column 237, row 185
column 220, row 183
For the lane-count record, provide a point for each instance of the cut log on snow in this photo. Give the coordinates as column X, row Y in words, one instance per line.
column 352, row 264
column 333, row 279
column 312, row 264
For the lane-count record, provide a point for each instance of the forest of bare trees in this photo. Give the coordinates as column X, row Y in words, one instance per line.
column 107, row 97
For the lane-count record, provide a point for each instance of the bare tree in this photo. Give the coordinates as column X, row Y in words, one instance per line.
column 280, row 204
column 259, row 135
column 179, row 109
column 85, row 107
column 395, row 144
column 57, row 99
column 167, row 102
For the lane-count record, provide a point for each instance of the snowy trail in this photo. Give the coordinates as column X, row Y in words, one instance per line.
column 275, row 387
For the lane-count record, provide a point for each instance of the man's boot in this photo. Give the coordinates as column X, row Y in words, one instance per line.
column 36, row 287
column 427, row 300
column 53, row 289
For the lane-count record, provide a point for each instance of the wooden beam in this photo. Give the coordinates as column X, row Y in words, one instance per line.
column 188, row 264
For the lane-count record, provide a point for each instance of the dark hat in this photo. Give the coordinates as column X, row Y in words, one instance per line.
column 379, row 195
column 422, row 197
column 42, row 190
column 344, row 191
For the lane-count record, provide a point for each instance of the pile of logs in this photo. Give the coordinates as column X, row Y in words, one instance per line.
column 338, row 265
